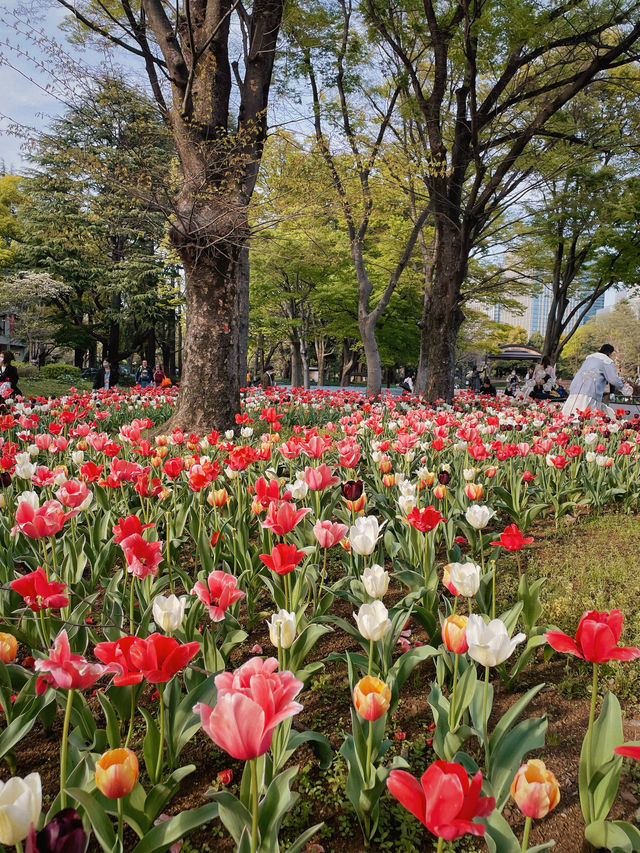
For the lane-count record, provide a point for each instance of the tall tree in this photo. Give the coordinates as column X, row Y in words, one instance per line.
column 484, row 79
column 188, row 49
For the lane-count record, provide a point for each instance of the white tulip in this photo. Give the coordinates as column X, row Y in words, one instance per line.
column 25, row 470
column 229, row 435
column 364, row 534
column 406, row 503
column 31, row 498
column 86, row 503
column 465, row 577
column 33, row 449
column 20, row 804
column 373, row 621
column 77, row 457
column 468, row 474
column 282, row 629
column 22, row 458
column 168, row 612
column 478, row 515
column 246, row 432
column 601, row 461
column 490, row 644
column 590, row 456
column 60, row 477
column 298, row 489
column 376, row 581
column 591, row 438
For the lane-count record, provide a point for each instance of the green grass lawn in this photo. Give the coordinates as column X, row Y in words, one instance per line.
column 36, row 387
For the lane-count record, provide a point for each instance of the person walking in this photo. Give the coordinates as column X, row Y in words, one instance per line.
column 267, row 377
column 8, row 375
column 587, row 386
column 158, row 375
column 106, row 377
column 144, row 375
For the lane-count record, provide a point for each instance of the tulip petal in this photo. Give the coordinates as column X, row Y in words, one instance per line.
column 563, row 643
column 408, row 791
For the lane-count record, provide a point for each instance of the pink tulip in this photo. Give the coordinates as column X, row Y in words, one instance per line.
column 220, row 592
column 329, row 533
column 252, row 701
column 143, row 558
column 72, row 493
column 319, row 478
column 47, row 520
column 283, row 517
column 66, row 670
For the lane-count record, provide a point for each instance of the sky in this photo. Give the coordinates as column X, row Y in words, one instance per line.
column 32, row 46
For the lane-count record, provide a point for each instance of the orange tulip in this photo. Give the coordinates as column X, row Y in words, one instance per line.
column 454, row 633
column 357, row 505
column 8, row 647
column 389, row 480
column 440, row 491
column 474, row 491
column 117, row 773
column 371, row 698
column 217, row 497
column 535, row 789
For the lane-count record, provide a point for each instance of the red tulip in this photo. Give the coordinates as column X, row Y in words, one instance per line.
column 220, row 592
column 512, row 538
column 444, row 799
column 127, row 527
column 596, row 638
column 143, row 558
column 426, row 519
column 173, row 467
column 117, row 656
column 283, row 558
column 283, row 517
column 159, row 657
column 631, row 750
column 252, row 701
column 38, row 592
column 66, row 670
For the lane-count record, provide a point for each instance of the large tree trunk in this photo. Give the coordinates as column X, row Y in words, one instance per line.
column 113, row 353
column 443, row 315
column 211, row 343
column 320, row 345
column 304, row 359
column 150, row 347
column 78, row 356
column 348, row 360
column 296, row 364
column 242, row 279
column 372, row 355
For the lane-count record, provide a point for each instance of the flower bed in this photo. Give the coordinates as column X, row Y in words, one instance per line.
column 193, row 612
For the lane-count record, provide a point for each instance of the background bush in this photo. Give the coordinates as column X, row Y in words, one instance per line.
column 56, row 371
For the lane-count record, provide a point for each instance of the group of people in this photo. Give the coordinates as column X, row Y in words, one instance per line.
column 107, row 377
column 585, row 392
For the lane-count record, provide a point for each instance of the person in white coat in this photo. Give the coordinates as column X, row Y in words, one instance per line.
column 588, row 384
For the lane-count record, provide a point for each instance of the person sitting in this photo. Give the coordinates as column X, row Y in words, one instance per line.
column 487, row 388
column 407, row 383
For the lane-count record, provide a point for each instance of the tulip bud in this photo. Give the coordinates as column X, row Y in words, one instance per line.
column 479, row 516
column 371, row 698
column 163, row 451
column 535, row 789
column 282, row 629
column 20, row 804
column 117, row 773
column 389, row 480
column 168, row 612
column 440, row 492
column 372, row 621
column 465, row 577
column 454, row 633
column 8, row 647
column 474, row 491
column 468, row 473
column 375, row 580
column 357, row 505
column 217, row 497
column 444, row 477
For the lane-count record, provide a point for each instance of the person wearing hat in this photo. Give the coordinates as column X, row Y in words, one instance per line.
column 587, row 387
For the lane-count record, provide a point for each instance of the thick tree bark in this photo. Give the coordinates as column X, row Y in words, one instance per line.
column 320, row 347
column 150, row 347
column 296, row 363
column 210, row 386
column 443, row 315
column 78, row 356
column 113, row 351
column 371, row 353
column 348, row 360
column 242, row 280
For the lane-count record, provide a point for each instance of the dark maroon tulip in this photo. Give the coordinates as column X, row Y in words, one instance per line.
column 352, row 489
column 444, row 477
column 63, row 834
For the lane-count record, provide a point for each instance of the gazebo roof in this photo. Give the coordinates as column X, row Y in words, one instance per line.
column 516, row 352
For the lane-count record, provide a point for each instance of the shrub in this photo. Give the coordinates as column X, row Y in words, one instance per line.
column 27, row 370
column 58, row 371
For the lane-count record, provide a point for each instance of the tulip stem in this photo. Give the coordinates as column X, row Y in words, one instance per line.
column 440, row 844
column 592, row 716
column 453, row 722
column 493, row 589
column 131, row 597
column 133, row 711
column 485, row 722
column 120, row 820
column 161, row 747
column 254, row 805
column 525, row 835
column 54, row 559
column 370, row 657
column 63, row 750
